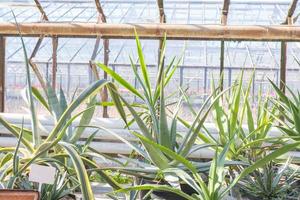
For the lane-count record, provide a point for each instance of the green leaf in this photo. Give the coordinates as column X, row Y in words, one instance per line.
column 85, row 94
column 102, row 173
column 169, row 153
column 53, row 102
column 120, row 80
column 235, row 107
column 192, row 134
column 84, row 120
column 250, row 121
column 216, row 173
column 143, row 64
column 15, row 132
column 16, row 154
column 40, row 98
column 289, row 132
column 296, row 116
column 117, row 101
column 89, row 140
column 157, row 188
column 156, row 156
column 45, row 146
column 139, row 121
column 164, row 135
column 62, row 100
column 125, row 140
column 184, row 176
column 36, row 136
column 6, row 158
column 169, row 72
column 282, row 96
column 85, row 186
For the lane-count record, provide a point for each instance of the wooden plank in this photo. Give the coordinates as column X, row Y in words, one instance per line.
column 283, row 57
column 100, row 11
column 163, row 20
column 34, row 66
column 41, row 10
column 225, row 11
column 283, row 52
column 224, row 15
column 222, row 64
column 54, row 61
column 291, row 12
column 103, row 92
column 2, row 74
column 18, row 195
column 156, row 31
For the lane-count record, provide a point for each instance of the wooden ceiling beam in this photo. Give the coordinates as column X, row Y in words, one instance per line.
column 291, row 11
column 225, row 11
column 155, row 31
column 162, row 15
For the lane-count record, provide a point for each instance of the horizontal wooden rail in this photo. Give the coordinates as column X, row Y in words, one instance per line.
column 155, row 31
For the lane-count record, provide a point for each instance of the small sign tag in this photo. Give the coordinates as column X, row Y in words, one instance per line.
column 42, row 174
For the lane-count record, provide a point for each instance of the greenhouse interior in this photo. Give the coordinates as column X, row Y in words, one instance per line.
column 149, row 99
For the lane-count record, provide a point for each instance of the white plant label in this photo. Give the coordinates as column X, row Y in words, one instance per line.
column 42, row 174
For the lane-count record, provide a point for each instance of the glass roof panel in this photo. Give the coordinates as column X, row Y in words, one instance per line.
column 200, row 59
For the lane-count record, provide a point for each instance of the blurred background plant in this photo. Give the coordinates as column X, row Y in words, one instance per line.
column 273, row 181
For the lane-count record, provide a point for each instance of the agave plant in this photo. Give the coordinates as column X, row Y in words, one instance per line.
column 250, row 138
column 289, row 107
column 57, row 148
column 149, row 94
column 272, row 181
column 218, row 186
column 154, row 120
column 236, row 119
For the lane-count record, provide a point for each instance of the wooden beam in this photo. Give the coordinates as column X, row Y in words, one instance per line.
column 225, row 11
column 283, row 52
column 41, row 10
column 100, row 11
column 2, row 74
column 54, row 61
column 160, row 4
column 224, row 15
column 163, row 20
column 291, row 11
column 283, row 56
column 222, row 63
column 103, row 92
column 155, row 31
column 33, row 65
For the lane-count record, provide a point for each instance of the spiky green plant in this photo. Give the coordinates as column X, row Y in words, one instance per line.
column 152, row 117
column 54, row 149
column 273, row 181
column 218, row 186
column 236, row 119
column 289, row 107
